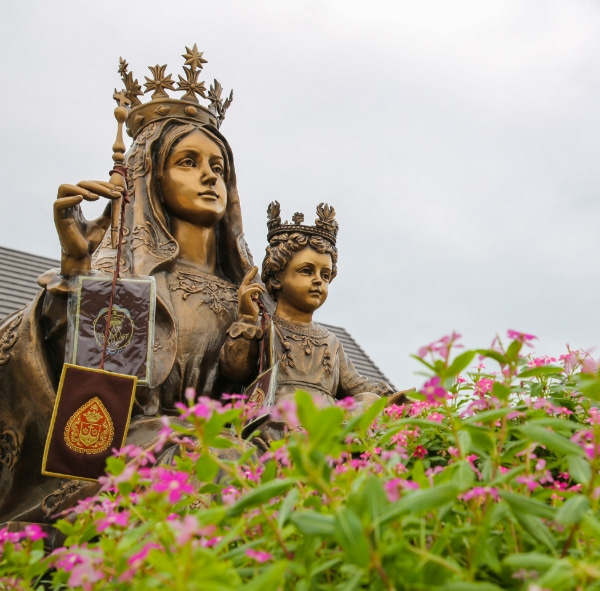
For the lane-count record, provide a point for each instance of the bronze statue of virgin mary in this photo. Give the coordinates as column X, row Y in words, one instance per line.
column 183, row 226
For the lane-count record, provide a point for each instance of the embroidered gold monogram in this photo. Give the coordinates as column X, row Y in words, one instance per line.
column 90, row 429
column 257, row 398
column 120, row 331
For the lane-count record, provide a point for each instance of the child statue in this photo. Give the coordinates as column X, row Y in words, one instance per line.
column 299, row 265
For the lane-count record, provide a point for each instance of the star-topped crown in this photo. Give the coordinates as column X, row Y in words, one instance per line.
column 325, row 224
column 162, row 106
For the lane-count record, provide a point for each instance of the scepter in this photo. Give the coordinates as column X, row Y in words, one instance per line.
column 118, row 175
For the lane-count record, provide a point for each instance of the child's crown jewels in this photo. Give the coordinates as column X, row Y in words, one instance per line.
column 162, row 106
column 325, row 224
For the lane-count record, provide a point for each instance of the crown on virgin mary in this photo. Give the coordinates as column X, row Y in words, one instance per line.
column 162, row 106
column 325, row 224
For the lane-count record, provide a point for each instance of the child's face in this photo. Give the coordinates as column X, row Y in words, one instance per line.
column 305, row 280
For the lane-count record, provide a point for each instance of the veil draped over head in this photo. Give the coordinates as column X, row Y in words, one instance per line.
column 149, row 246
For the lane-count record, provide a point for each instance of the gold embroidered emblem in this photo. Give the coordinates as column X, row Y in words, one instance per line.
column 257, row 398
column 120, row 330
column 90, row 429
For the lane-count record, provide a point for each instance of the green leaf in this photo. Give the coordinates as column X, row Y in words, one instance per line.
column 590, row 523
column 460, row 363
column 328, row 425
column 287, row 507
column 114, row 466
column 311, row 523
column 530, row 560
column 207, row 468
column 261, row 494
column 579, row 469
column 558, row 424
column 270, row 578
column 369, row 415
column 466, row 586
column 589, row 385
column 543, row 370
column 535, row 526
column 375, row 500
column 553, row 441
column 481, row 437
column 306, row 408
column 559, row 574
column 489, row 416
column 351, row 537
column 508, row 476
column 463, row 476
column 573, row 510
column 527, row 505
column 501, row 359
column 465, row 441
column 425, row 363
column 421, row 500
column 500, row 391
column 512, row 353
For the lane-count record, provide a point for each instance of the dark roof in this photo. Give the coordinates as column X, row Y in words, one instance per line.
column 18, row 286
column 18, row 278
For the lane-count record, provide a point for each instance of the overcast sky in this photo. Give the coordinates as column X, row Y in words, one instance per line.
column 457, row 140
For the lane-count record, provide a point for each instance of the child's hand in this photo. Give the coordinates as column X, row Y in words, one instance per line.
column 247, row 295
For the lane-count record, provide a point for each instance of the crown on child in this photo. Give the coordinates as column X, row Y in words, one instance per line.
column 162, row 106
column 325, row 224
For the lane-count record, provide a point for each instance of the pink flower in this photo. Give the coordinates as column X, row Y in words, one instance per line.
column 433, row 390
column 586, row 440
column 395, row 411
column 394, row 487
column 253, row 475
column 588, row 365
column 230, row 495
column 34, row 532
column 471, row 459
column 85, row 575
column 285, row 411
column 453, row 451
column 67, row 561
column 441, row 347
column 431, row 472
column 185, row 529
column 259, row 555
column 120, row 519
column 522, row 337
column 480, row 493
column 436, row 416
column 420, row 452
column 8, row 536
column 347, row 403
column 528, row 481
column 136, row 560
column 174, row 482
column 483, row 386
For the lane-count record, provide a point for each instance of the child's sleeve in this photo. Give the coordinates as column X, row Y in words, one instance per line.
column 353, row 384
column 238, row 360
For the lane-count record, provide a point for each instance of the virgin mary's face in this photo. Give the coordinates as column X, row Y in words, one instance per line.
column 193, row 186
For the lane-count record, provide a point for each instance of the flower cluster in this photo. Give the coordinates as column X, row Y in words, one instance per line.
column 486, row 478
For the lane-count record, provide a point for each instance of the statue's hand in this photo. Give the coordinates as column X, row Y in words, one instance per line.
column 79, row 237
column 247, row 295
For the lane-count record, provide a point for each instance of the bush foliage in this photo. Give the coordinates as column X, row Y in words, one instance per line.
column 487, row 479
